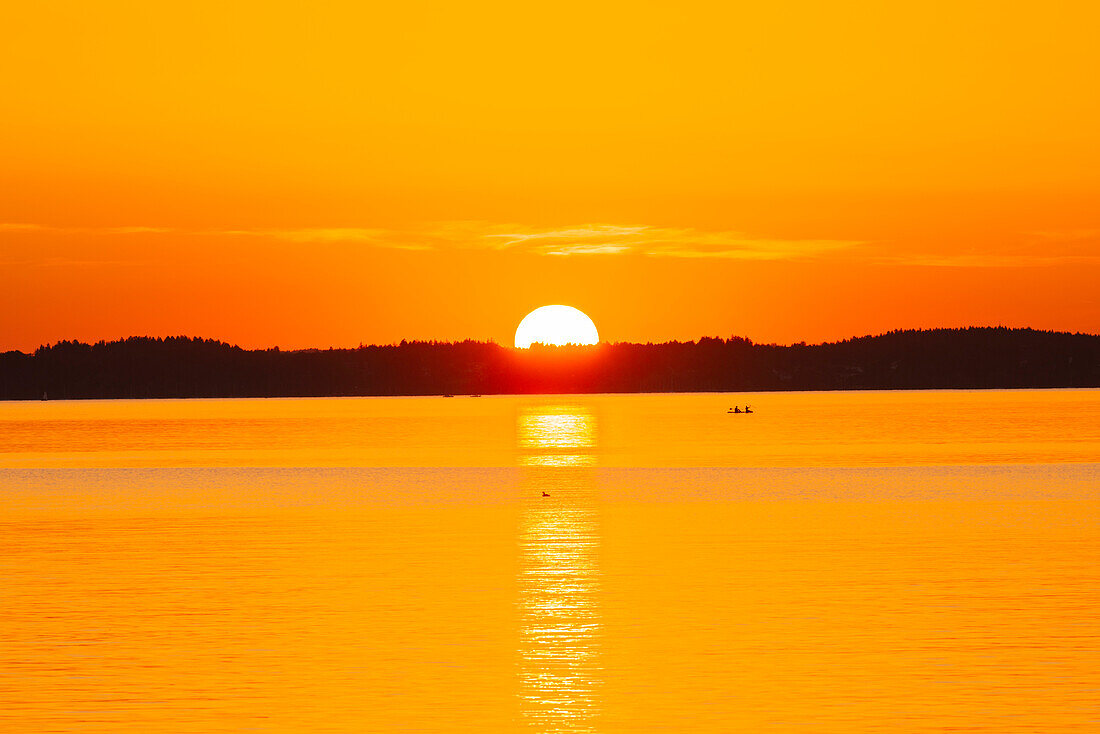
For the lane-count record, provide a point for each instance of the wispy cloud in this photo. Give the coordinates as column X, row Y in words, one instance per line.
column 327, row 234
column 995, row 260
column 1034, row 249
column 577, row 240
column 1091, row 236
column 606, row 239
column 26, row 227
column 589, row 250
column 1031, row 250
column 515, row 236
column 20, row 227
column 135, row 230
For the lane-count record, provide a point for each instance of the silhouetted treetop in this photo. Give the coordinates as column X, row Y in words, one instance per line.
column 180, row 366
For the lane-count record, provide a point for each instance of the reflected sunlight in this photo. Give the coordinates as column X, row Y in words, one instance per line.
column 557, row 435
column 559, row 574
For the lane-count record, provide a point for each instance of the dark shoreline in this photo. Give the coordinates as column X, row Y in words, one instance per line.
column 183, row 367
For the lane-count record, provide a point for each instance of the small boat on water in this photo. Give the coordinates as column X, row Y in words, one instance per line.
column 737, row 409
column 448, row 396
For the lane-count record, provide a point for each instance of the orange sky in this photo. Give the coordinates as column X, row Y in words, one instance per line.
column 336, row 173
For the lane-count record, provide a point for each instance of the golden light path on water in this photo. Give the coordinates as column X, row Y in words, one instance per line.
column 559, row 574
column 557, row 435
column 835, row 563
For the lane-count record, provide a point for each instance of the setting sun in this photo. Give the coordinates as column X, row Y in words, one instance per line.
column 292, row 438
column 558, row 325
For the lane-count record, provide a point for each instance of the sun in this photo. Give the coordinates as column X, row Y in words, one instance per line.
column 557, row 325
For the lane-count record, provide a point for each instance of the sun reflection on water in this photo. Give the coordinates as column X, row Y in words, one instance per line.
column 557, row 435
column 559, row 576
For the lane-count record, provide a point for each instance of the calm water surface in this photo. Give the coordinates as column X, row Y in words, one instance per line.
column 834, row 562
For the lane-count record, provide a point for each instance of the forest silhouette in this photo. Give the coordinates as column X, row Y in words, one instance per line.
column 185, row 367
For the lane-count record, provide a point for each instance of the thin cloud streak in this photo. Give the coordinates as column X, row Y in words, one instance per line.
column 585, row 233
column 589, row 250
column 603, row 239
column 20, row 227
column 995, row 261
column 26, row 227
column 1047, row 248
column 579, row 240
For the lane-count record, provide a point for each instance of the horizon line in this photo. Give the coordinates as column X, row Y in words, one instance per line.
column 540, row 345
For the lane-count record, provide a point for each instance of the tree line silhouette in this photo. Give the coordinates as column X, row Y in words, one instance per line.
column 185, row 367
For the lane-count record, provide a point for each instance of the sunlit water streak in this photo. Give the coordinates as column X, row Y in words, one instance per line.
column 557, row 435
column 833, row 563
column 559, row 573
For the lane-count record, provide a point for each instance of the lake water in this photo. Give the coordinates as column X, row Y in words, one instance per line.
column 833, row 562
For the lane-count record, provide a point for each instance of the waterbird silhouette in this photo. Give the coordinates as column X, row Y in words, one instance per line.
column 545, row 494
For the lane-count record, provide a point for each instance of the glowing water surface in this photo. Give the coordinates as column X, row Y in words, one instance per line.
column 833, row 562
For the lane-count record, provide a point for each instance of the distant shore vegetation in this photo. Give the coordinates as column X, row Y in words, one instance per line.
column 188, row 367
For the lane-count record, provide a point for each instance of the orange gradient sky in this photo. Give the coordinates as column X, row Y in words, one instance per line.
column 334, row 173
